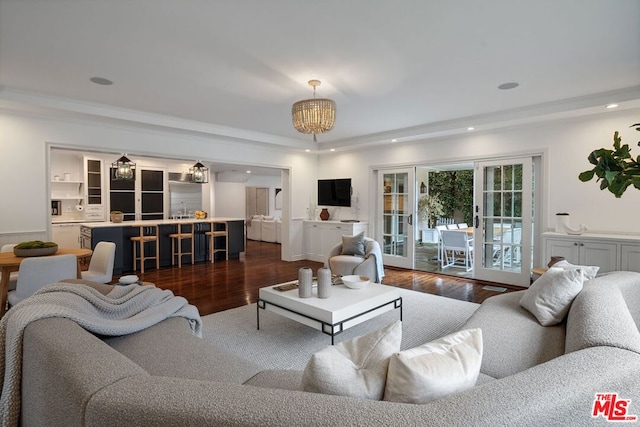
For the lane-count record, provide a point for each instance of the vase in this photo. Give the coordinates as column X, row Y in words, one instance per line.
column 563, row 226
column 305, row 285
column 555, row 259
column 117, row 217
column 324, row 283
column 324, row 214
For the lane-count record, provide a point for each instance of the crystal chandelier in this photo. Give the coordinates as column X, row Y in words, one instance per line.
column 123, row 169
column 315, row 115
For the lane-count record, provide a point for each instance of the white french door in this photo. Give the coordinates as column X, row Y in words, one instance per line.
column 503, row 220
column 395, row 216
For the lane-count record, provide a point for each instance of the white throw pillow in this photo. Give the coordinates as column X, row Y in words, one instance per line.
column 549, row 298
column 436, row 369
column 357, row 367
column 588, row 271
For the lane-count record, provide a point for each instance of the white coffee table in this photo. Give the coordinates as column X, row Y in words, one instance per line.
column 344, row 309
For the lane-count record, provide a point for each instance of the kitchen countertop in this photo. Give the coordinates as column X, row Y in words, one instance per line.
column 155, row 222
column 72, row 221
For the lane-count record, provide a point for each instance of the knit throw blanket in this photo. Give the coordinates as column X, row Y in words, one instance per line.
column 124, row 310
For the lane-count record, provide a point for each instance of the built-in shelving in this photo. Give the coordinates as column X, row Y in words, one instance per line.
column 67, row 190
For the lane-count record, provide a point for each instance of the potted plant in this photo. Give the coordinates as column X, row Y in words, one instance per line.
column 616, row 169
column 35, row 248
column 429, row 209
column 117, row 216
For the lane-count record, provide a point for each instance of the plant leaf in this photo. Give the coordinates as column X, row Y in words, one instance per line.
column 586, row 175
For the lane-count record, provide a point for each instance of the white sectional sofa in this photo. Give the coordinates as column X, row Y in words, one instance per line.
column 532, row 375
column 264, row 228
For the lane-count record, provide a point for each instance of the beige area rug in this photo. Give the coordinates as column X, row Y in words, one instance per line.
column 285, row 344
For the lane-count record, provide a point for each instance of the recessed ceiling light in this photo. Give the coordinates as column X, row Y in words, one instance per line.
column 248, row 171
column 470, row 128
column 333, row 149
column 394, row 140
column 612, row 105
column 307, row 150
column 509, row 85
column 101, row 81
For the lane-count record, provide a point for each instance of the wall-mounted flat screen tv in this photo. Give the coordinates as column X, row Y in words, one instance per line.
column 334, row 192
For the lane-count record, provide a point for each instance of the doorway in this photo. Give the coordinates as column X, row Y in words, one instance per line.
column 494, row 203
column 444, row 201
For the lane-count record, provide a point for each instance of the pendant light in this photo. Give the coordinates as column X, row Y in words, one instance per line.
column 315, row 115
column 198, row 173
column 123, row 169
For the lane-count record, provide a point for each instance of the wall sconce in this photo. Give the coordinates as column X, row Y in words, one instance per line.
column 123, row 169
column 198, row 173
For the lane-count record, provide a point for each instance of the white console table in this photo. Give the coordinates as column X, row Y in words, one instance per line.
column 321, row 236
column 611, row 252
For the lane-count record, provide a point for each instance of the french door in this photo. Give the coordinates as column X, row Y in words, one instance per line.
column 503, row 221
column 395, row 212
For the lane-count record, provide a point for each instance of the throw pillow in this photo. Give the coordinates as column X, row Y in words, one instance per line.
column 357, row 367
column 353, row 245
column 589, row 272
column 436, row 369
column 549, row 298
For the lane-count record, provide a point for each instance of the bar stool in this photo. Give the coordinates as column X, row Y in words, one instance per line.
column 148, row 233
column 176, row 242
column 218, row 229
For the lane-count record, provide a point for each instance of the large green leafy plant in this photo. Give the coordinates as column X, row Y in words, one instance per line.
column 616, row 169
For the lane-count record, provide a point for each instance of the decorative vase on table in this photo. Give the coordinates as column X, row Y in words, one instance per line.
column 325, row 215
column 324, row 283
column 305, row 284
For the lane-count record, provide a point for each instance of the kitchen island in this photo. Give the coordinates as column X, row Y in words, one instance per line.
column 120, row 233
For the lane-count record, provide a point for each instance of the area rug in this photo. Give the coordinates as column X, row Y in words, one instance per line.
column 285, row 344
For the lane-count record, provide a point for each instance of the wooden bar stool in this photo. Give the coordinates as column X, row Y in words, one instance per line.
column 218, row 230
column 148, row 233
column 176, row 242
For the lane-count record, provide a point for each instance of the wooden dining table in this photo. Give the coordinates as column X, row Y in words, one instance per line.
column 9, row 262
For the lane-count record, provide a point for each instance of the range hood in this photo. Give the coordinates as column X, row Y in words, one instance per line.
column 179, row 177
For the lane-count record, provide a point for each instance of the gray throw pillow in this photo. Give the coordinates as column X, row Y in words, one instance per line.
column 353, row 245
column 549, row 298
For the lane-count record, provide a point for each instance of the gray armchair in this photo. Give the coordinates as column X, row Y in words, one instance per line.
column 370, row 264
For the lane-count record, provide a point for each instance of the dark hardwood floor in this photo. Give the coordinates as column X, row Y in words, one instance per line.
column 229, row 284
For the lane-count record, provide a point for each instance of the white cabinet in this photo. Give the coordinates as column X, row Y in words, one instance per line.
column 630, row 260
column 609, row 252
column 66, row 235
column 321, row 236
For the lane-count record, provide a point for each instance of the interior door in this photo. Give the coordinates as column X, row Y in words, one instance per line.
column 504, row 221
column 396, row 214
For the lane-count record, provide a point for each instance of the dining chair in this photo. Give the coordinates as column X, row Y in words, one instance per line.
column 455, row 246
column 101, row 264
column 35, row 272
column 439, row 229
column 452, row 226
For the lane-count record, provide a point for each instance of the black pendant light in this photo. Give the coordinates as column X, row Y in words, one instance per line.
column 198, row 173
column 123, row 169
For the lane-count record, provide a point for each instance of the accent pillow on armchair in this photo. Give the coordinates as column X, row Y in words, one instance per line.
column 368, row 264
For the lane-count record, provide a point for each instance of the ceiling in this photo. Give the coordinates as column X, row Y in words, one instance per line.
column 405, row 70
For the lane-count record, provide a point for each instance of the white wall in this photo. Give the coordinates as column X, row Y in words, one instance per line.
column 23, row 163
column 564, row 145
